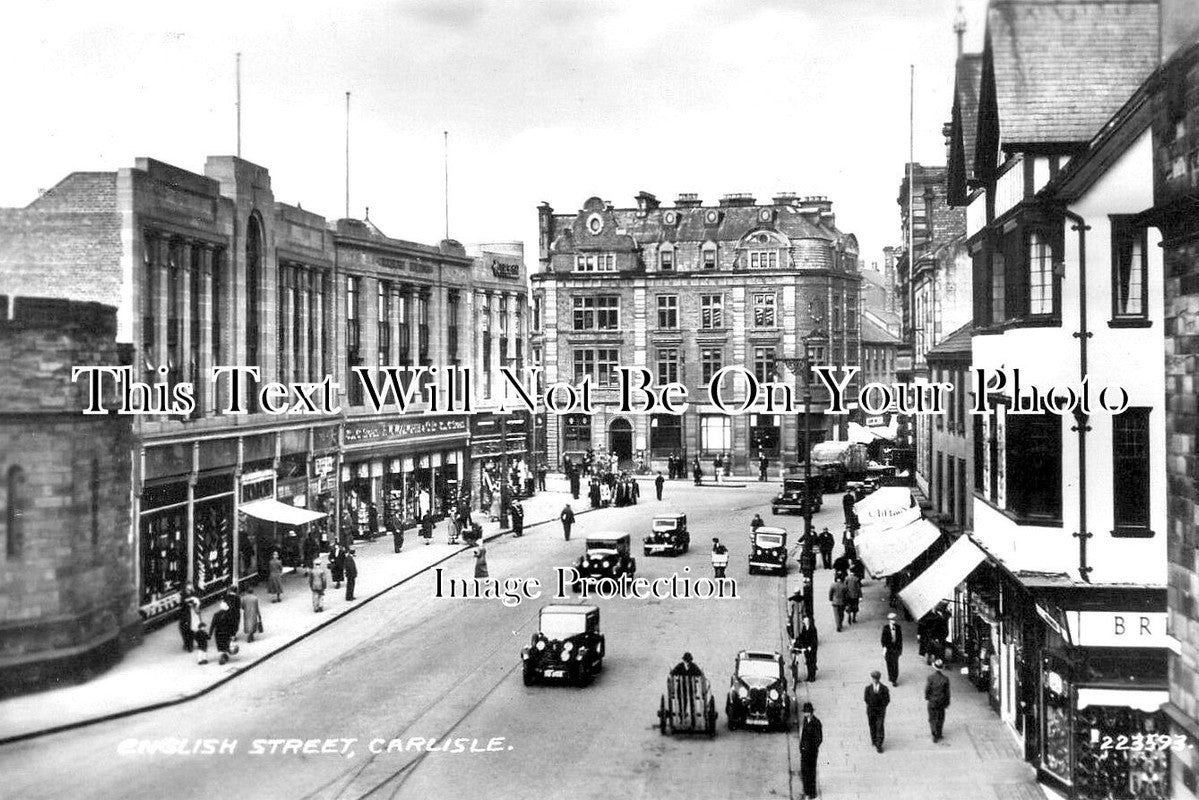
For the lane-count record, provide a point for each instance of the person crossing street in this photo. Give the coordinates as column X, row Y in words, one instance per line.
column 720, row 558
column 568, row 520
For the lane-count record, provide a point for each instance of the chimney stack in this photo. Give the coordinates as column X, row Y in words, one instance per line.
column 646, row 201
column 688, row 200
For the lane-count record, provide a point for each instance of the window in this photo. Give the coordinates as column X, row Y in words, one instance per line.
column 763, row 259
column 451, row 317
column 998, row 289
column 1040, row 275
column 668, row 311
column 711, row 360
column 384, row 303
column 353, row 341
column 709, row 258
column 1130, row 472
column 1033, row 457
column 1130, row 271
column 601, row 262
column 422, row 332
column 666, row 260
column 993, row 457
column 711, row 311
column 606, row 360
column 764, row 309
column 764, row 364
column 576, row 433
column 597, row 313
column 665, row 435
column 254, row 256
column 536, row 312
column 14, row 541
column 584, row 365
column 668, row 365
column 404, row 309
column 715, row 433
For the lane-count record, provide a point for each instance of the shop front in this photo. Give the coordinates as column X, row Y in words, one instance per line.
column 498, row 452
column 396, row 472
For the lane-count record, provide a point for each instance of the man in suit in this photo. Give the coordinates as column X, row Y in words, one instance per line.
column 936, row 694
column 892, row 642
column 837, row 596
column 811, row 736
column 658, row 482
column 877, row 698
column 351, row 570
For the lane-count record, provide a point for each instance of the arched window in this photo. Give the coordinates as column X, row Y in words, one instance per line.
column 15, row 517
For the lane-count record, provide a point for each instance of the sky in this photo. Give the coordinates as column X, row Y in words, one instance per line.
column 544, row 100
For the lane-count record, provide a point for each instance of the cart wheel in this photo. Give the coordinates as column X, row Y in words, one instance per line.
column 662, row 716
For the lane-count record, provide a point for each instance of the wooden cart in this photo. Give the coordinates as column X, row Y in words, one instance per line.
column 687, row 706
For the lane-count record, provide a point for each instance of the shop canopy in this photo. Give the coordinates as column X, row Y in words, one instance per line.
column 886, row 552
column 884, row 502
column 938, row 581
column 864, row 434
column 274, row 511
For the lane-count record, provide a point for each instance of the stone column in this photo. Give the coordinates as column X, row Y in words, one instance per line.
column 161, row 321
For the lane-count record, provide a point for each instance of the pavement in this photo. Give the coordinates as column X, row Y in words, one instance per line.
column 149, row 676
column 415, row 669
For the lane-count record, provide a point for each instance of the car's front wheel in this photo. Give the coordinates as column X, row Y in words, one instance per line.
column 530, row 676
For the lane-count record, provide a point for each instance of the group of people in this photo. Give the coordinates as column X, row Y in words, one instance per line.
column 611, row 489
column 236, row 611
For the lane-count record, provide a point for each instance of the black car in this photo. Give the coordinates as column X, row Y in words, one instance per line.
column 667, row 535
column 568, row 645
column 606, row 556
column 791, row 499
column 768, row 550
column 758, row 696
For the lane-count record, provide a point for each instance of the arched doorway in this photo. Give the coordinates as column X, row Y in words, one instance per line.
column 620, row 439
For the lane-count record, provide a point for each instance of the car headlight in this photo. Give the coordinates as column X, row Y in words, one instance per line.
column 773, row 694
column 568, row 646
column 742, row 691
column 541, row 644
column 606, row 565
column 582, row 651
column 565, row 655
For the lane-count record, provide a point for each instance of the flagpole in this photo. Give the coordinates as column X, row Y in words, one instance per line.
column 446, row 134
column 347, row 155
column 238, row 72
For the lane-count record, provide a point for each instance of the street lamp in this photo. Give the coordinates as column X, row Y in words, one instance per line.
column 807, row 558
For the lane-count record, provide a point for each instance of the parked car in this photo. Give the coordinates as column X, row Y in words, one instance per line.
column 768, row 550
column 668, row 534
column 791, row 499
column 567, row 645
column 758, row 695
column 606, row 556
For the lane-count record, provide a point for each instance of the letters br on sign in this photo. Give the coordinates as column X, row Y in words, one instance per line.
column 1119, row 628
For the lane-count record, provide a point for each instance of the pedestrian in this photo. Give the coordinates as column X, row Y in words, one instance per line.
column 670, row 467
column 274, row 581
column 756, row 523
column 634, row 491
column 936, row 694
column 847, row 503
column 426, row 527
column 658, row 483
column 841, row 565
column 836, row 596
column 892, row 642
column 853, row 597
column 337, row 564
column 251, row 614
column 234, row 600
column 763, row 467
column 728, row 464
column 542, row 471
column 351, row 570
column 697, row 471
column 481, row 562
column 807, row 643
column 309, row 550
column 938, row 632
column 720, row 558
column 318, row 581
column 224, row 626
column 811, row 736
column 189, row 620
column 826, row 542
column 517, row 514
column 877, row 698
column 568, row 520
column 717, row 464
column 200, row 636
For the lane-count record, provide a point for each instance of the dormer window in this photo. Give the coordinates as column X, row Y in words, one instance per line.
column 709, row 256
column 595, row 262
column 666, row 260
column 763, row 259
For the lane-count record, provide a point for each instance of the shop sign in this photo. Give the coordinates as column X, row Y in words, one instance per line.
column 323, row 465
column 502, row 270
column 1119, row 628
column 257, row 477
column 360, row 432
column 874, row 422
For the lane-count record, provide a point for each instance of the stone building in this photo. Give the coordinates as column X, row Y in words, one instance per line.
column 683, row 291
column 67, row 600
column 209, row 270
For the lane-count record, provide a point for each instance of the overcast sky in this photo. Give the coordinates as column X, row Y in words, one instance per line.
column 553, row 100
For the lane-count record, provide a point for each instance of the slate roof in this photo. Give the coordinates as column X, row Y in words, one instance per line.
column 735, row 222
column 956, row 343
column 873, row 334
column 965, row 98
column 1063, row 67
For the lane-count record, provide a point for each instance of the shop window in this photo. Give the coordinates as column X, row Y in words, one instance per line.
column 576, row 433
column 715, row 433
column 14, row 518
column 665, row 435
column 1130, row 472
column 1118, row 753
column 1033, row 458
column 764, row 434
column 1056, row 735
column 1130, row 271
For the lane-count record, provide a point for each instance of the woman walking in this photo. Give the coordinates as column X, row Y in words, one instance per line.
column 274, row 581
column 481, row 562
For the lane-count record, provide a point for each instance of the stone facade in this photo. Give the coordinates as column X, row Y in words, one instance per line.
column 67, row 602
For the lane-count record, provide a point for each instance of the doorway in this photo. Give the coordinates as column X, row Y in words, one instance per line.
column 620, row 440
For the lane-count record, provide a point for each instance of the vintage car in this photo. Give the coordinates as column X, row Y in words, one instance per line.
column 687, row 706
column 791, row 499
column 668, row 534
column 606, row 556
column 568, row 645
column 758, row 696
column 768, row 550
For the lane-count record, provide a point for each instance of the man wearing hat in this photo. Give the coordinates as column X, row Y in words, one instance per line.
column 877, row 698
column 936, row 694
column 892, row 642
column 687, row 667
column 811, row 735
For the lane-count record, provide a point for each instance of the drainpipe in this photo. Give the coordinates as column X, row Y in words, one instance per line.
column 1080, row 417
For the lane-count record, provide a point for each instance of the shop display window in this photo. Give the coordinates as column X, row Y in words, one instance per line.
column 1055, row 720
column 164, row 556
column 1121, row 754
column 213, row 541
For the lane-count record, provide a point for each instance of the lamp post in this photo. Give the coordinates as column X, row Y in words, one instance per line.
column 807, row 557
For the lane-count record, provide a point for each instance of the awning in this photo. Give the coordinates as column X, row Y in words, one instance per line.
column 1147, row 700
column 937, row 582
column 887, row 552
column 884, row 502
column 901, row 520
column 274, row 511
